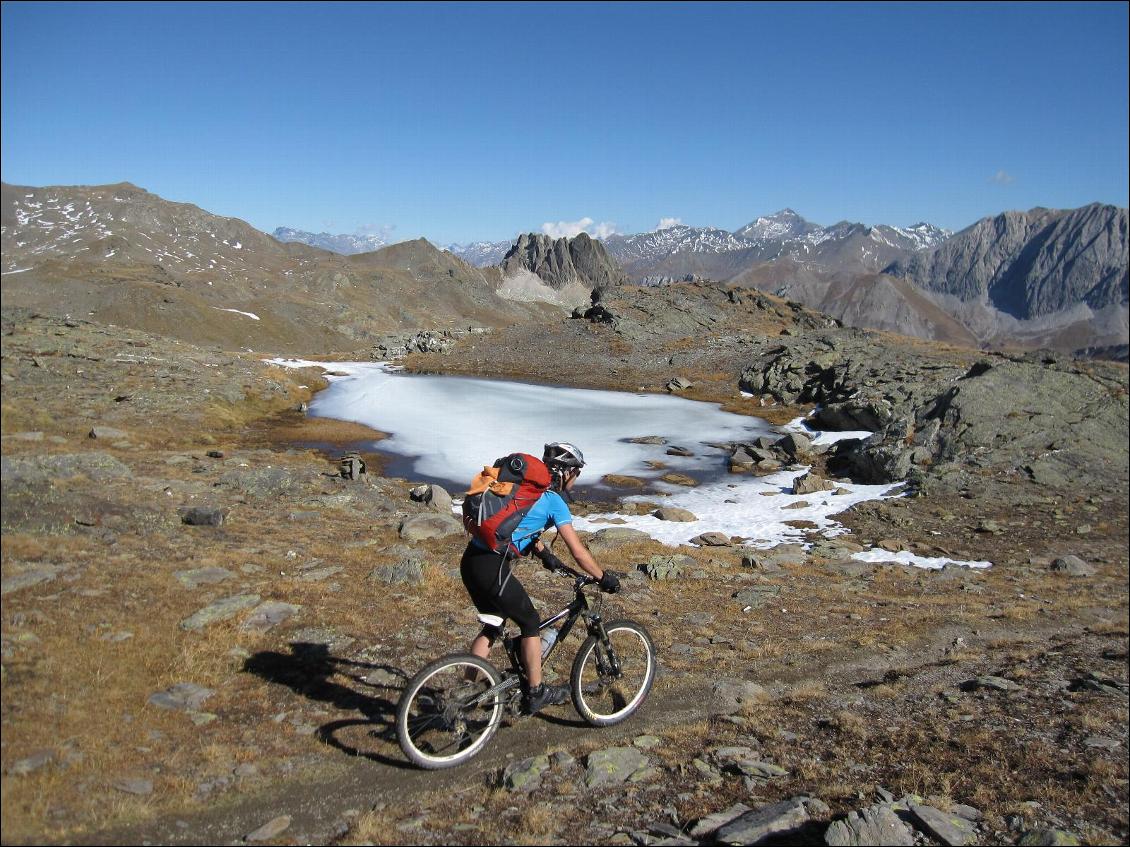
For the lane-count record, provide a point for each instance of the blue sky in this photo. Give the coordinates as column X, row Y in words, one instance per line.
column 460, row 122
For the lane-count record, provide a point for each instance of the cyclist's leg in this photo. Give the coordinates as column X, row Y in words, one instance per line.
column 483, row 573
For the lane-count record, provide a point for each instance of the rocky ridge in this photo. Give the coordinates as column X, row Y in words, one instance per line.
column 564, row 261
column 1032, row 264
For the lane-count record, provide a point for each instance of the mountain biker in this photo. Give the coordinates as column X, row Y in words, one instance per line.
column 498, row 595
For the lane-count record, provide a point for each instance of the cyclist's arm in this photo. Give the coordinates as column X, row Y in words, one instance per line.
column 580, row 552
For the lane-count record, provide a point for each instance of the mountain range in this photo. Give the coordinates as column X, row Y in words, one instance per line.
column 121, row 255
column 1042, row 278
column 347, row 245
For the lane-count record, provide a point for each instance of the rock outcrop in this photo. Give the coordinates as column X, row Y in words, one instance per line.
column 564, row 261
column 1029, row 416
column 1031, row 264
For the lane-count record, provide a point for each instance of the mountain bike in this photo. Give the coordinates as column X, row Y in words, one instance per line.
column 453, row 707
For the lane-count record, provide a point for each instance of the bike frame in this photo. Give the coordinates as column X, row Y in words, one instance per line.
column 578, row 607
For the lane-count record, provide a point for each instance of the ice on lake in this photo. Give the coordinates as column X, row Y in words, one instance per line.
column 447, row 428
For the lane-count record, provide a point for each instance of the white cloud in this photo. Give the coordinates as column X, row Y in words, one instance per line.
column 667, row 223
column 1002, row 178
column 570, row 229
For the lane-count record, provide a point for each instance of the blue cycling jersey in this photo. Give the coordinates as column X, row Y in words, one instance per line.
column 549, row 510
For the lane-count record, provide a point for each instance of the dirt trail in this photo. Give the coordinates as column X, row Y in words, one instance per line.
column 318, row 804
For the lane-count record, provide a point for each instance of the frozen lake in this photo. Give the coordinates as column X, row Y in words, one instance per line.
column 445, row 429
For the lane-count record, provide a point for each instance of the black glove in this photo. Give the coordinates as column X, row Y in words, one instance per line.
column 609, row 583
column 550, row 561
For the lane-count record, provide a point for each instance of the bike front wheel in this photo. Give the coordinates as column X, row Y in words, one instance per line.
column 447, row 712
column 611, row 680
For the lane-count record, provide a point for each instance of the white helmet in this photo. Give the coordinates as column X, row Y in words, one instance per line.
column 561, row 454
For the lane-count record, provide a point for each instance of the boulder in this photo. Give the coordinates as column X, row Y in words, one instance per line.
column 525, row 775
column 220, row 610
column 794, row 445
column 730, row 696
column 673, row 513
column 184, row 696
column 202, row 515
column 878, row 824
column 711, row 539
column 950, row 829
column 615, row 765
column 811, row 483
column 435, row 496
column 1073, row 566
column 754, row 826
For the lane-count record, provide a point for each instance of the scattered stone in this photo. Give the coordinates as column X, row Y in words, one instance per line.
column 666, row 567
column 525, row 775
column 614, row 480
column 270, row 830
column 221, row 610
column 408, row 571
column 673, row 513
column 320, row 574
column 27, row 579
column 1049, row 838
column 1101, row 742
column 731, row 696
column 184, row 696
column 614, row 536
column 202, row 576
column 107, row 432
column 141, row 787
column 646, row 742
column 678, row 384
column 751, row 827
column 798, row 504
column 679, row 451
column 950, row 829
column 32, row 763
column 1073, row 566
column 202, row 516
column 420, row 527
column 994, row 683
column 648, row 439
column 435, row 496
column 757, row 596
column 679, row 479
column 270, row 614
column 877, row 824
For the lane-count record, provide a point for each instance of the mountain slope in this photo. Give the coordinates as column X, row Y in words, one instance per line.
column 1031, row 264
column 125, row 256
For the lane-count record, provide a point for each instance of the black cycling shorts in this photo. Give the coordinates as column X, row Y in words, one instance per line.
column 480, row 571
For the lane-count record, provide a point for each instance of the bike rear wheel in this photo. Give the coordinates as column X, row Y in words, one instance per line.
column 609, row 685
column 445, row 716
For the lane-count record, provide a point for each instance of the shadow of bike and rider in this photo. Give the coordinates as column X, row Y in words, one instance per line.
column 369, row 688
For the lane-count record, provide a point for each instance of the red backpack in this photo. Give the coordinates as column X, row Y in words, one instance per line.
column 501, row 496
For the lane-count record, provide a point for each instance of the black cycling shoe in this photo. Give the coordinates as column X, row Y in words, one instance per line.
column 544, row 695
